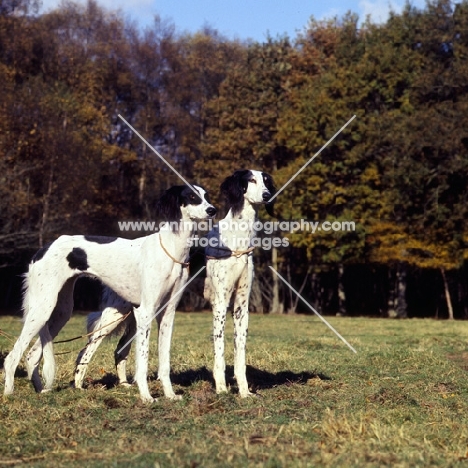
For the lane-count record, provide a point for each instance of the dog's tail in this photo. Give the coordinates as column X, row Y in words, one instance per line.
column 25, row 291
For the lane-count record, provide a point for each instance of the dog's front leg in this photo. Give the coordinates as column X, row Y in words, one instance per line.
column 219, row 322
column 166, row 323
column 220, row 293
column 143, row 319
column 241, row 325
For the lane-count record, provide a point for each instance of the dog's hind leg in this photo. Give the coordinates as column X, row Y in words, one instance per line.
column 49, row 367
column 33, row 358
column 35, row 321
column 108, row 321
column 57, row 321
column 123, row 349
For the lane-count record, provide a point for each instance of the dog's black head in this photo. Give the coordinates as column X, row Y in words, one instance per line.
column 254, row 186
column 180, row 201
column 270, row 185
column 234, row 187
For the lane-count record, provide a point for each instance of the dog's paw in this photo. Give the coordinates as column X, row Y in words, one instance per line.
column 175, row 397
column 148, row 400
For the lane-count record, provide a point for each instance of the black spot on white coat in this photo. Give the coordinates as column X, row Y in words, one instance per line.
column 100, row 239
column 77, row 259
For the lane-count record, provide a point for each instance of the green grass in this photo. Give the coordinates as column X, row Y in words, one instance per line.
column 401, row 401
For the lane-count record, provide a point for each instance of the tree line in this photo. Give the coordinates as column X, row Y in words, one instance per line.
column 211, row 105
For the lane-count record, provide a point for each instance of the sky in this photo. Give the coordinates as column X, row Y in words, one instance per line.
column 247, row 19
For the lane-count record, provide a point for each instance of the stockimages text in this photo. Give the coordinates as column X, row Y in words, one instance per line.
column 268, row 228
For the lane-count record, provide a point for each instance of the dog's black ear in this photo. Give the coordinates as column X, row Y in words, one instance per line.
column 233, row 188
column 269, row 184
column 168, row 206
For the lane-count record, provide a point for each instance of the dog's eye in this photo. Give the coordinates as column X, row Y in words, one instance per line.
column 253, row 181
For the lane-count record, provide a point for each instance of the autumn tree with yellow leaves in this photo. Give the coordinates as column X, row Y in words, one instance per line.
column 210, row 105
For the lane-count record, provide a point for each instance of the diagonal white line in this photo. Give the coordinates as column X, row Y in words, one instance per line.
column 157, row 154
column 180, row 291
column 313, row 310
column 311, row 159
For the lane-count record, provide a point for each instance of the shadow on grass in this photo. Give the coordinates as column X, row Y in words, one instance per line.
column 258, row 379
column 261, row 380
column 107, row 380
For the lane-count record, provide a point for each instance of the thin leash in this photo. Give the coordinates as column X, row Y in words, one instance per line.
column 7, row 336
column 121, row 319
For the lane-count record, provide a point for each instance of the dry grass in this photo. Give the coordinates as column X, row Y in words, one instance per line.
column 402, row 401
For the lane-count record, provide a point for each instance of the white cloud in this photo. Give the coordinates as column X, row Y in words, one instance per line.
column 379, row 10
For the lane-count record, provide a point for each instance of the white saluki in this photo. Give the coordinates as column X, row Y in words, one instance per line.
column 144, row 271
column 230, row 269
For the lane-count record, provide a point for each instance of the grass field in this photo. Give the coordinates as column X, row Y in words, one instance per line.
column 401, row 401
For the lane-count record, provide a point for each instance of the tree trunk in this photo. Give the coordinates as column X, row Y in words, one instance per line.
column 447, row 295
column 142, row 180
column 255, row 300
column 341, row 292
column 294, row 298
column 401, row 308
column 275, row 306
column 391, row 299
column 46, row 206
column 141, row 184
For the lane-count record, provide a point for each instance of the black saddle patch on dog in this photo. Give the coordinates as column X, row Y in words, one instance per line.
column 77, row 259
column 40, row 253
column 100, row 239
